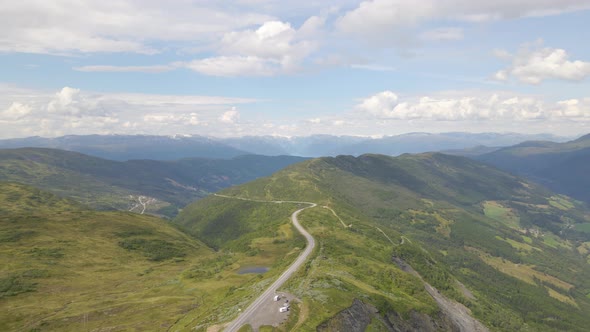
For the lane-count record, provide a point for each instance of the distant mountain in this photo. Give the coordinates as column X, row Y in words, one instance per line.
column 416, row 242
column 562, row 167
column 127, row 147
column 471, row 152
column 327, row 145
column 159, row 187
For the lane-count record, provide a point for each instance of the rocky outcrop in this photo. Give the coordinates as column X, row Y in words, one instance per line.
column 419, row 322
column 355, row 318
column 453, row 316
column 358, row 316
column 452, row 312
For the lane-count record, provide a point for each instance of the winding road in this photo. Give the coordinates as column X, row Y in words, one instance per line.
column 268, row 294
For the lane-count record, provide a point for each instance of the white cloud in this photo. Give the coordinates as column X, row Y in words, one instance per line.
column 230, row 116
column 15, row 111
column 311, row 27
column 129, row 69
column 372, row 67
column 234, row 66
column 471, row 107
column 390, row 23
column 62, row 26
column 381, row 104
column 440, row 34
column 274, row 48
column 534, row 64
column 72, row 111
column 574, row 108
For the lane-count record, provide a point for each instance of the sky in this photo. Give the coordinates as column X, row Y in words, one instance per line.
column 293, row 68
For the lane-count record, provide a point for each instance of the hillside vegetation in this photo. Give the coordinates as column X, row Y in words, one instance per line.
column 64, row 267
column 515, row 254
column 559, row 166
column 157, row 187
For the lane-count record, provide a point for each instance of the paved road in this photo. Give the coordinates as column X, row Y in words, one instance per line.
column 268, row 294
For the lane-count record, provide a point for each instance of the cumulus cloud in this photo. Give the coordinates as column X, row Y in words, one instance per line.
column 230, row 116
column 15, row 111
column 574, row 108
column 533, row 64
column 380, row 104
column 273, row 48
column 72, row 111
column 473, row 107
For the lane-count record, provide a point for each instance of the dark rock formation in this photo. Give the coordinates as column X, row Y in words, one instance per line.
column 355, row 318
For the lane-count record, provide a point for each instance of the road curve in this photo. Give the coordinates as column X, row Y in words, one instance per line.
column 268, row 294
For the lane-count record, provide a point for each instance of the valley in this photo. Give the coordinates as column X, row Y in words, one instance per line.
column 164, row 187
column 294, row 166
column 417, row 240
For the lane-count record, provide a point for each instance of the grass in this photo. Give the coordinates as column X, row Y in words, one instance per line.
column 70, row 269
column 529, row 275
column 522, row 247
column 561, row 202
column 497, row 211
column 554, row 241
column 583, row 227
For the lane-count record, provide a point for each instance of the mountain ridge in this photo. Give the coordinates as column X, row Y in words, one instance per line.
column 108, row 184
column 509, row 242
column 127, row 147
column 558, row 166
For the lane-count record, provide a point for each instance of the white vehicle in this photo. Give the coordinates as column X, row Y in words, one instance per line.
column 276, row 298
column 283, row 309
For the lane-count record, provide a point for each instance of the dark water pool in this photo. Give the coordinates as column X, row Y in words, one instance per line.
column 253, row 269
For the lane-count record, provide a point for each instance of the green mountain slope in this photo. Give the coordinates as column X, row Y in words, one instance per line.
column 559, row 166
column 64, row 267
column 514, row 254
column 158, row 187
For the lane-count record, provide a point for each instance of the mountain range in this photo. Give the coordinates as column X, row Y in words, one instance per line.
column 562, row 167
column 157, row 187
column 126, row 147
column 424, row 241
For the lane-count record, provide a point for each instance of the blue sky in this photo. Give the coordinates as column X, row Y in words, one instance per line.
column 294, row 68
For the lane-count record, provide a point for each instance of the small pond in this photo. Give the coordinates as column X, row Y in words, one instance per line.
column 253, row 269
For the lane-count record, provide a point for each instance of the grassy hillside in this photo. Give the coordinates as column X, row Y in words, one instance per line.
column 64, row 267
column 559, row 166
column 163, row 186
column 514, row 253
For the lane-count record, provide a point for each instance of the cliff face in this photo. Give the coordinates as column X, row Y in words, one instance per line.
column 355, row 318
column 358, row 316
column 419, row 322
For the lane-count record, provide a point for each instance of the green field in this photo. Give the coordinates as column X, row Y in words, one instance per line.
column 496, row 211
column 67, row 268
